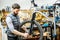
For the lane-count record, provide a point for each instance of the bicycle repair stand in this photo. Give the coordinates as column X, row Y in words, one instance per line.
column 53, row 35
column 57, row 6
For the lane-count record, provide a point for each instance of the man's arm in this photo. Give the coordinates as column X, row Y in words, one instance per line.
column 11, row 28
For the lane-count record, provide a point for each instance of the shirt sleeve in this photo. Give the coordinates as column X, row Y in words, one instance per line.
column 9, row 24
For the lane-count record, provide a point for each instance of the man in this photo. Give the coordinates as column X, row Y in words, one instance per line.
column 13, row 23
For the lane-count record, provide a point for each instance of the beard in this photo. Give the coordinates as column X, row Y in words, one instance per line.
column 15, row 13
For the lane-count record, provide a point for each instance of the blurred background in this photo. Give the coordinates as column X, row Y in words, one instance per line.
column 26, row 11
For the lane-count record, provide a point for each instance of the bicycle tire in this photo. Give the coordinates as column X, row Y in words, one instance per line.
column 38, row 25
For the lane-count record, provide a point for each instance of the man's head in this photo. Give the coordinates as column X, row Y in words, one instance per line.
column 3, row 10
column 16, row 8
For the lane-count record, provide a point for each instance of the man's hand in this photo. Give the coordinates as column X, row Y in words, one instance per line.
column 26, row 35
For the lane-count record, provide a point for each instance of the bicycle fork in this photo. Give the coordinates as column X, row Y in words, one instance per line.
column 32, row 23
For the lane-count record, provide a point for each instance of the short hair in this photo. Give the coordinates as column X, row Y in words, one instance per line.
column 3, row 10
column 16, row 6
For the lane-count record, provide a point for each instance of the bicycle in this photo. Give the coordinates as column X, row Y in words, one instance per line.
column 33, row 22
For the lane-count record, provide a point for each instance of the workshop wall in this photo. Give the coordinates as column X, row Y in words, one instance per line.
column 25, row 4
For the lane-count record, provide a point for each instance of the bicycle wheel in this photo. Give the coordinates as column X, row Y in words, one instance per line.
column 28, row 23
